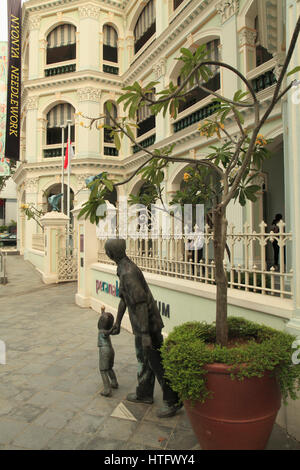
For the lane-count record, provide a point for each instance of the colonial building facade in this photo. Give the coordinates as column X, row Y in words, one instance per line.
column 79, row 55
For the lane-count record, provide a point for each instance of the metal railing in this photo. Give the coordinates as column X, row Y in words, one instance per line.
column 248, row 261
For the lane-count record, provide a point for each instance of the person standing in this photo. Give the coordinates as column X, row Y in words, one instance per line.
column 275, row 229
column 146, row 325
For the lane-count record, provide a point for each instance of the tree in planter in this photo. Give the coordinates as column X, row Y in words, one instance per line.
column 233, row 163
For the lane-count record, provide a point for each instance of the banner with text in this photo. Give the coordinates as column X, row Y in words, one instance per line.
column 12, row 142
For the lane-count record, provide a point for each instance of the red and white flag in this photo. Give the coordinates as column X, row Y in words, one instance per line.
column 69, row 154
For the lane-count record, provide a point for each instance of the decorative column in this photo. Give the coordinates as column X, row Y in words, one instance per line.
column 89, row 54
column 89, row 105
column 31, row 129
column 54, row 224
column 228, row 10
column 42, row 129
column 247, row 37
column 33, row 65
column 129, row 50
column 162, row 124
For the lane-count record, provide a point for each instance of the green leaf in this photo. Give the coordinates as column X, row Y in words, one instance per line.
column 292, row 72
column 117, row 141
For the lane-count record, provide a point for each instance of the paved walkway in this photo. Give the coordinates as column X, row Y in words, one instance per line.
column 49, row 387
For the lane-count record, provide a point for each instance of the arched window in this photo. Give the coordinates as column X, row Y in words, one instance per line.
column 61, row 44
column 145, row 26
column 110, row 44
column 262, row 54
column 109, row 122
column 145, row 119
column 57, row 117
column 195, row 93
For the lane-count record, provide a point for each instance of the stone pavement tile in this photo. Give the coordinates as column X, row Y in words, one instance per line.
column 84, row 423
column 65, row 440
column 34, row 437
column 280, row 440
column 182, row 439
column 34, row 368
column 117, row 429
column 97, row 443
column 26, row 412
column 6, row 406
column 11, row 447
column 101, row 406
column 66, row 384
column 183, row 420
column 72, row 401
column 151, row 434
column 54, row 419
column 55, row 370
column 8, row 390
column 47, row 398
column 9, row 429
column 134, row 446
column 89, row 386
column 24, row 395
column 170, row 422
column 41, row 382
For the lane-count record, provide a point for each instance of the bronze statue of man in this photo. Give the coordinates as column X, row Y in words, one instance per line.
column 146, row 325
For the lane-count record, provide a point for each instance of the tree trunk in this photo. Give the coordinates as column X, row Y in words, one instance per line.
column 220, row 231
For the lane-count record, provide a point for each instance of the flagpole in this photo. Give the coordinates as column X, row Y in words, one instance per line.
column 69, row 172
column 62, row 168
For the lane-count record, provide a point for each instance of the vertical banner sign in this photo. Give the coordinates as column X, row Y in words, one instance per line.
column 14, row 16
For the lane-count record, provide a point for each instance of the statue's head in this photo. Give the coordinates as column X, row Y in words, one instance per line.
column 115, row 249
column 105, row 321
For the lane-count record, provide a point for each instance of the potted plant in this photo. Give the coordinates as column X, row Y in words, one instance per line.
column 227, row 173
column 231, row 394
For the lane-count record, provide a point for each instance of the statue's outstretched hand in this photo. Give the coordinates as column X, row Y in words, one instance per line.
column 115, row 329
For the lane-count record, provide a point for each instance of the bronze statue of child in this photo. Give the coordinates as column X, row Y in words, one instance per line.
column 106, row 353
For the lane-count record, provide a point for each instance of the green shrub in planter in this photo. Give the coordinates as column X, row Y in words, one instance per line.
column 258, row 349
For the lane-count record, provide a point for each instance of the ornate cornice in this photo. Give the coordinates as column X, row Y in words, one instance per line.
column 34, row 23
column 89, row 11
column 159, row 68
column 247, row 37
column 32, row 103
column 227, row 9
column 89, row 94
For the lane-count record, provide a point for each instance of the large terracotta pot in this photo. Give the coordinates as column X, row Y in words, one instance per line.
column 240, row 415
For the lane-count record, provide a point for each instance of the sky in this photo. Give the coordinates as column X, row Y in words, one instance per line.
column 3, row 19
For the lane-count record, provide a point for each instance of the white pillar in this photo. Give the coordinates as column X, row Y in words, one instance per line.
column 54, row 224
column 88, row 141
column 89, row 45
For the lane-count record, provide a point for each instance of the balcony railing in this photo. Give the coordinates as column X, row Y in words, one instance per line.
column 196, row 116
column 249, row 269
column 54, row 152
column 264, row 81
column 110, row 69
column 111, row 151
column 144, row 143
column 60, row 70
